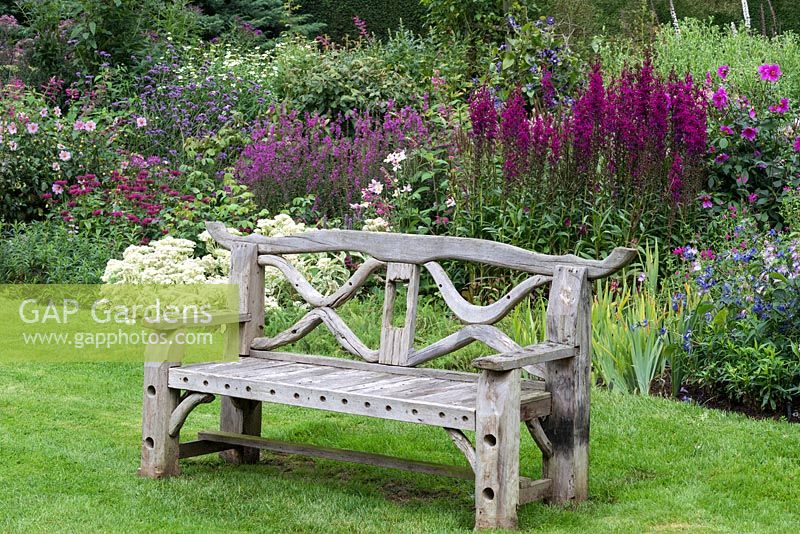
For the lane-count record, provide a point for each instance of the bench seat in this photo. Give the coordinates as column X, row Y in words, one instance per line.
column 415, row 395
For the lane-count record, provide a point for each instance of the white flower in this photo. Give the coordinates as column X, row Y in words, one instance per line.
column 378, row 224
column 450, row 202
column 64, row 155
column 141, row 122
column 375, row 187
column 56, row 166
column 395, row 158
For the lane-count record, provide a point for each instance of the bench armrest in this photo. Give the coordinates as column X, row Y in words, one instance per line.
column 530, row 355
column 217, row 318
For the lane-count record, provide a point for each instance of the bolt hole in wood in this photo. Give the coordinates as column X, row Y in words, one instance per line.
column 367, row 405
column 490, row 440
column 205, row 382
column 344, row 401
column 296, row 395
column 272, row 392
column 151, row 391
column 227, row 386
column 248, row 388
column 185, row 378
column 322, row 398
column 149, row 443
column 441, row 414
column 488, row 494
column 414, row 411
column 464, row 418
column 388, row 408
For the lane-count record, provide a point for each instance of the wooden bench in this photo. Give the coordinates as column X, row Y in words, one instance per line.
column 384, row 382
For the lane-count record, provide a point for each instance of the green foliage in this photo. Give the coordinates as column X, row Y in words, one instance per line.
column 49, row 252
column 72, row 36
column 533, row 47
column 382, row 17
column 365, row 74
column 756, row 373
column 261, row 18
column 42, row 143
column 790, row 210
column 702, row 47
column 481, row 19
column 629, row 346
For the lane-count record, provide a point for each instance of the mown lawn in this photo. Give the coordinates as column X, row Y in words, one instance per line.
column 69, row 449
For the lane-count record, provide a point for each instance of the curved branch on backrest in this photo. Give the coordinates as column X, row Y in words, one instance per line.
column 310, row 294
column 488, row 335
column 473, row 314
column 421, row 249
column 344, row 336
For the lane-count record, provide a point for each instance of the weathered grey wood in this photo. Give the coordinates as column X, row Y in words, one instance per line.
column 189, row 403
column 310, row 294
column 473, row 314
column 529, row 385
column 249, row 275
column 364, row 366
column 539, row 436
column 327, row 316
column 534, row 404
column 530, row 355
column 497, row 450
column 159, row 448
column 190, row 449
column 343, row 455
column 397, row 342
column 217, row 318
column 240, row 416
column 453, row 414
column 569, row 321
column 534, row 490
column 488, row 335
column 421, row 249
column 464, row 445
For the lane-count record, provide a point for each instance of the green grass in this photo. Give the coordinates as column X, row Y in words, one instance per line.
column 69, row 449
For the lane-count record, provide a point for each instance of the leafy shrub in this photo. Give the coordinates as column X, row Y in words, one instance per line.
column 751, row 279
column 755, row 154
column 537, row 58
column 790, row 210
column 381, row 17
column 40, row 143
column 78, row 36
column 145, row 198
column 262, row 18
column 337, row 80
column 49, row 252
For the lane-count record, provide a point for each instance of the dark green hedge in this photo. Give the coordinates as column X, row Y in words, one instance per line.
column 382, row 16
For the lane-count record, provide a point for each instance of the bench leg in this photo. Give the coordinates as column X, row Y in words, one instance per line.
column 240, row 416
column 569, row 320
column 159, row 450
column 497, row 450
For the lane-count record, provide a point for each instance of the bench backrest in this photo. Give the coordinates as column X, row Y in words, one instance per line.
column 402, row 256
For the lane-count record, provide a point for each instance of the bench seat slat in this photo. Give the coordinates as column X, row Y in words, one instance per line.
column 426, row 396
